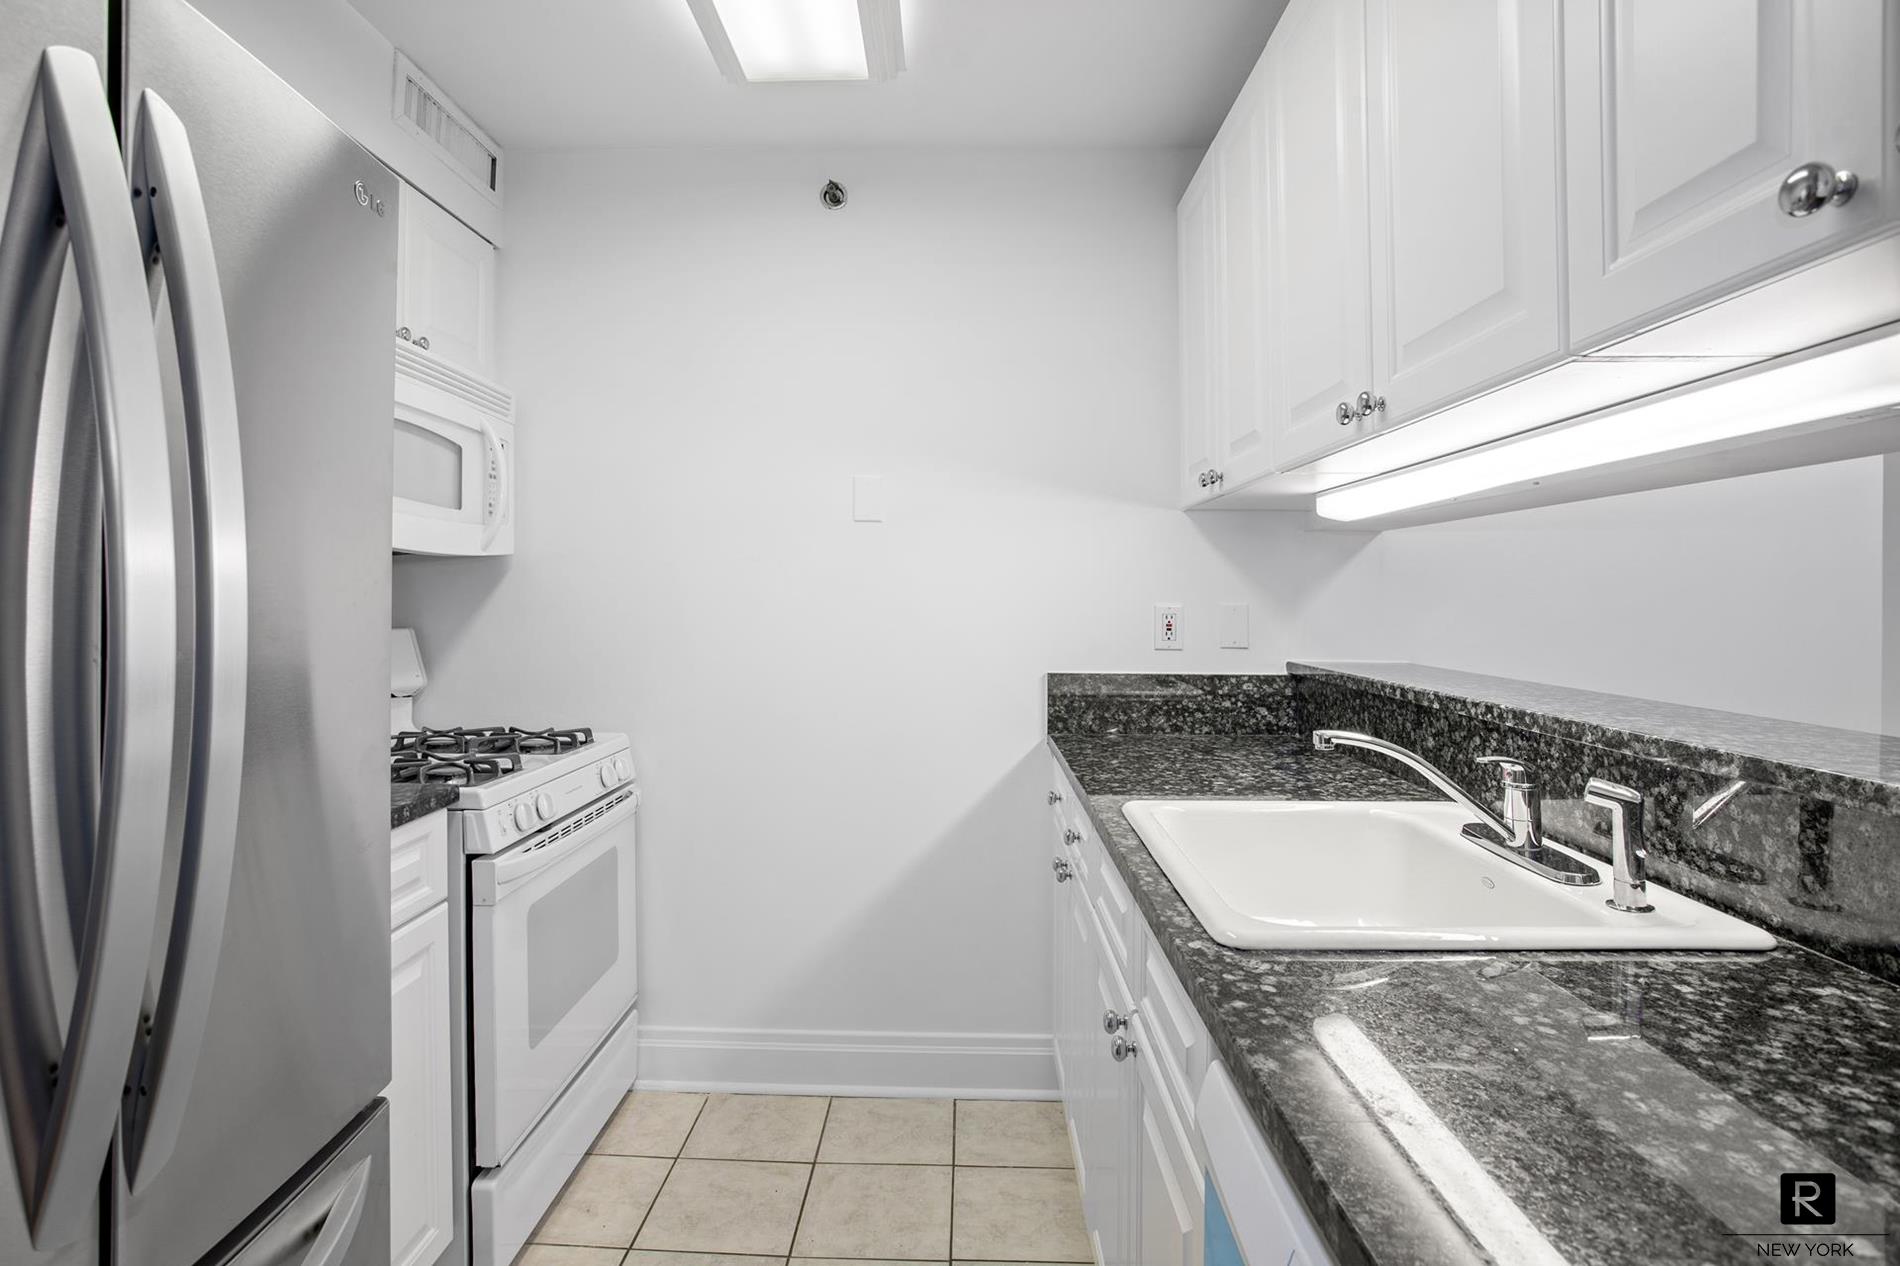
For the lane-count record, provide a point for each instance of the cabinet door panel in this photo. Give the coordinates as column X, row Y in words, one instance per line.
column 1462, row 97
column 446, row 285
column 1319, row 305
column 1198, row 228
column 1243, row 436
column 1167, row 1177
column 421, row 1142
column 1683, row 117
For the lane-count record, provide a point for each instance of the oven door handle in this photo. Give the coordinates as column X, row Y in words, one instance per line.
column 495, row 876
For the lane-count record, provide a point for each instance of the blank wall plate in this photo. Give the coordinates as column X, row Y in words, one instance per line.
column 867, row 498
column 1230, row 623
column 1168, row 633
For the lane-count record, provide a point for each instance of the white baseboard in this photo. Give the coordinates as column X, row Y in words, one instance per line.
column 843, row 1062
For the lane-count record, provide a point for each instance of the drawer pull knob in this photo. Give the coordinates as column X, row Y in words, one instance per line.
column 1111, row 1022
column 1812, row 186
column 1121, row 1048
column 1064, row 871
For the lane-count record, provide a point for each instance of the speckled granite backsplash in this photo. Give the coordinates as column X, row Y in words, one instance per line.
column 1165, row 703
column 1810, row 849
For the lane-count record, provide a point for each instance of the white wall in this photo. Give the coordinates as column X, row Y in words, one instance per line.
column 1761, row 594
column 838, row 725
column 330, row 53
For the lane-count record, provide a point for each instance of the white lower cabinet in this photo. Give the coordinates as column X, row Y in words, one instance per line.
column 421, row 1106
column 1139, row 1154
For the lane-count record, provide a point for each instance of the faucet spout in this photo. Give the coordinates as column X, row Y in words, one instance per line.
column 1518, row 840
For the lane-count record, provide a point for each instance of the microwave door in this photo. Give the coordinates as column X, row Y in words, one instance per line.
column 437, row 494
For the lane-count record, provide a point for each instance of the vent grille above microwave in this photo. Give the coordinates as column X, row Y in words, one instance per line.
column 415, row 365
column 425, row 111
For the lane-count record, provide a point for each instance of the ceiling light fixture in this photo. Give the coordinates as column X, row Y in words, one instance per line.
column 801, row 41
column 1850, row 376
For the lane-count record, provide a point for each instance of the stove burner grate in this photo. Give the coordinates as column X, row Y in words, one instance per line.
column 489, row 740
column 410, row 765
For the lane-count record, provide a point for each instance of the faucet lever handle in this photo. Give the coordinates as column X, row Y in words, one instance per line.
column 1513, row 772
column 1608, row 795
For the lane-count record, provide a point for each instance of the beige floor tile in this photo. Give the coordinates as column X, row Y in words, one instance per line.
column 1030, row 1215
column 650, row 1123
column 888, row 1132
column 757, row 1127
column 877, row 1211
column 567, row 1255
column 604, row 1202
column 642, row 1257
column 1021, row 1134
column 712, row 1206
column 863, row 1261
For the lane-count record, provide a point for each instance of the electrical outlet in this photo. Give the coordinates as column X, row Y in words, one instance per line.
column 1231, row 625
column 1167, row 626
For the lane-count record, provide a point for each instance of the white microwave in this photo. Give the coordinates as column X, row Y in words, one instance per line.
column 455, row 454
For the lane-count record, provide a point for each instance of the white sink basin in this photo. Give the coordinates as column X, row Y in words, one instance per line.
column 1294, row 874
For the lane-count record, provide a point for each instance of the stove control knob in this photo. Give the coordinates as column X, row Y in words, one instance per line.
column 606, row 775
column 620, row 767
column 524, row 816
column 544, row 806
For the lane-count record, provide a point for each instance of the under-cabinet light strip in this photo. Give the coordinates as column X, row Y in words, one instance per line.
column 1856, row 374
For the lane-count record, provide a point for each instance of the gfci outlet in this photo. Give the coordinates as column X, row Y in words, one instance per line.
column 1167, row 626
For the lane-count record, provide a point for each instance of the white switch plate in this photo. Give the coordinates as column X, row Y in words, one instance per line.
column 867, row 498
column 1230, row 621
column 1167, row 626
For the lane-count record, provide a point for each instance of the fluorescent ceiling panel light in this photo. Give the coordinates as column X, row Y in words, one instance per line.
column 1850, row 376
column 798, row 41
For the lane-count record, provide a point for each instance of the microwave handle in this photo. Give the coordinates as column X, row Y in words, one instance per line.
column 504, row 485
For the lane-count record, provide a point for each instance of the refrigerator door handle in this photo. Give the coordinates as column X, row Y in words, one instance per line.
column 332, row 1245
column 176, row 233
column 62, row 1092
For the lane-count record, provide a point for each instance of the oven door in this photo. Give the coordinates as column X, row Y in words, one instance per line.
column 454, row 485
column 552, row 964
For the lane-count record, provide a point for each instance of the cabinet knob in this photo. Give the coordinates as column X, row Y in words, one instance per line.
column 1064, row 872
column 1344, row 413
column 1370, row 404
column 1203, row 479
column 1216, row 476
column 422, row 342
column 402, row 332
column 1055, row 797
column 1072, row 836
column 1111, row 1022
column 1812, row 186
column 1121, row 1048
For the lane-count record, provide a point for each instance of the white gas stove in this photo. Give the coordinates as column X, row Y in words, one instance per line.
column 542, row 914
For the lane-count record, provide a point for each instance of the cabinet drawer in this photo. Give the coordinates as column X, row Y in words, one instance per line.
column 1113, row 905
column 1177, row 1041
column 418, row 866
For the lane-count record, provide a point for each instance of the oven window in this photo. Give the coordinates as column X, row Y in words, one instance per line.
column 573, row 940
column 428, row 467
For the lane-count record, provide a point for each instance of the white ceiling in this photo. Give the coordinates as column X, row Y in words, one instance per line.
column 585, row 73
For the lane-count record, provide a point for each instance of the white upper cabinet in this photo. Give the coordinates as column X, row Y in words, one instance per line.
column 1684, row 117
column 1198, row 237
column 1319, row 322
column 445, row 285
column 1244, row 435
column 1463, row 194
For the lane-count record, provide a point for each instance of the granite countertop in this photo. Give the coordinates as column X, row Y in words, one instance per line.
column 411, row 800
column 1626, row 1107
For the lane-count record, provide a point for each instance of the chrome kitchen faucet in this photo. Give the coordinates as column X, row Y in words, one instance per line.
column 1517, row 837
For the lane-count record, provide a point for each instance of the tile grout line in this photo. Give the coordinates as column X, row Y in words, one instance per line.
column 811, row 1176
column 671, row 1165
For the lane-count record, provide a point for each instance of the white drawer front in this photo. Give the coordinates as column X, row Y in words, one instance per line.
column 418, row 866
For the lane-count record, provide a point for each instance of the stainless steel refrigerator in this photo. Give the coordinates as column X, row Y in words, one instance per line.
column 197, row 279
